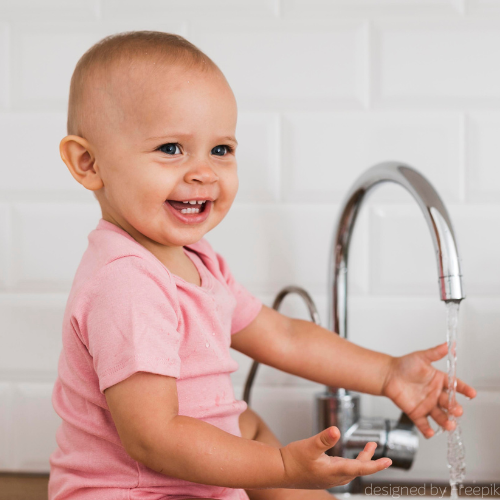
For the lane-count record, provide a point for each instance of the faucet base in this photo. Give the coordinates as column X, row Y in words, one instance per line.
column 397, row 440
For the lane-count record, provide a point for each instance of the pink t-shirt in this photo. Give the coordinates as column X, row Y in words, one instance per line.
column 126, row 312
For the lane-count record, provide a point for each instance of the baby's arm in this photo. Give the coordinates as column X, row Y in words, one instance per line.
column 144, row 408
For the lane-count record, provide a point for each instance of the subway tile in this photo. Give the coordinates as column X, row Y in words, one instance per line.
column 481, row 441
column 214, row 10
column 30, row 149
column 43, row 62
column 49, row 10
column 475, row 228
column 33, row 412
column 258, row 157
column 397, row 325
column 288, row 411
column 429, row 142
column 372, row 8
column 482, row 7
column 402, row 255
column 32, row 333
column 482, row 157
column 45, row 56
column 50, row 239
column 482, row 343
column 286, row 245
column 439, row 63
column 271, row 65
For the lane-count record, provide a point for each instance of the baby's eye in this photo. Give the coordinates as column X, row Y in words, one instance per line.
column 171, row 148
column 221, row 150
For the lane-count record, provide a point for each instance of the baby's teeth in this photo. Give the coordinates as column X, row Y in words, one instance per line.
column 190, row 211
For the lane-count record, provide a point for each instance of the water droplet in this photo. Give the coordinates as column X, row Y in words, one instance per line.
column 207, row 345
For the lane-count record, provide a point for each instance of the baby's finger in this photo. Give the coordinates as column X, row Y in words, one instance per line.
column 444, row 403
column 368, row 451
column 465, row 389
column 354, row 467
column 462, row 388
column 436, row 353
column 423, row 426
column 323, row 441
column 442, row 419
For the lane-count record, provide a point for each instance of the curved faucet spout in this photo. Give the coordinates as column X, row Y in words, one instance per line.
column 438, row 220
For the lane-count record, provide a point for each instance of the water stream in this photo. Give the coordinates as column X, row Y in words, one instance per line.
column 456, row 451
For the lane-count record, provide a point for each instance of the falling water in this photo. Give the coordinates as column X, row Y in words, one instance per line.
column 456, row 452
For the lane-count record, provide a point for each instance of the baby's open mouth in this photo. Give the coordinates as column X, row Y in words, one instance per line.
column 188, row 207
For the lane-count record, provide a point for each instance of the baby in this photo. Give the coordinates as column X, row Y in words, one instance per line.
column 143, row 387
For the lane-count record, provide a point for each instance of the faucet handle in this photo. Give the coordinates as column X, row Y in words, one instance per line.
column 402, row 441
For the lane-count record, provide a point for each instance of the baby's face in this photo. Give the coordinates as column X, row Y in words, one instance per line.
column 172, row 137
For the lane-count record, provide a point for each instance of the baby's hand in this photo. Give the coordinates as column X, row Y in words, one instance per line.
column 308, row 467
column 421, row 390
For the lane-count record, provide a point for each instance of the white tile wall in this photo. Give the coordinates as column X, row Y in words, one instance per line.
column 189, row 9
column 30, row 153
column 65, row 10
column 358, row 140
column 277, row 236
column 258, row 157
column 438, row 62
column 50, row 238
column 325, row 89
column 364, row 8
column 331, row 73
column 32, row 411
column 482, row 157
column 44, row 56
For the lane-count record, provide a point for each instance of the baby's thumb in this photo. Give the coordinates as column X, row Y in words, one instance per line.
column 436, row 353
column 324, row 440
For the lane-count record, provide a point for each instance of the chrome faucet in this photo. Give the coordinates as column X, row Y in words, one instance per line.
column 397, row 440
column 337, row 406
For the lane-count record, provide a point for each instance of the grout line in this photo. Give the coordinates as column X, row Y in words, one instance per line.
column 367, row 64
column 98, row 9
column 462, row 158
column 279, row 157
column 462, row 7
column 278, row 9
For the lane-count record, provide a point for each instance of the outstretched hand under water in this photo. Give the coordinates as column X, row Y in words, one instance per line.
column 420, row 390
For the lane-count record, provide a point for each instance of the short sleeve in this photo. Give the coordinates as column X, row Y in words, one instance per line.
column 247, row 307
column 131, row 322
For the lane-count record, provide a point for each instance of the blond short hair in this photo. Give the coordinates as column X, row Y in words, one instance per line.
column 98, row 63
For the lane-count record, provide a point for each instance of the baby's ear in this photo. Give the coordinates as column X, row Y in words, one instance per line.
column 77, row 154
